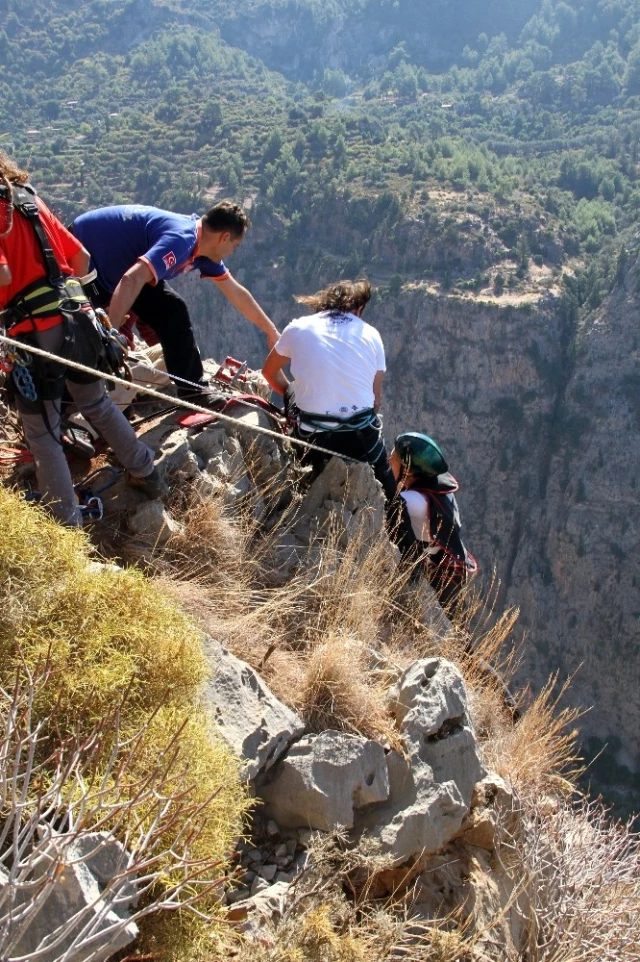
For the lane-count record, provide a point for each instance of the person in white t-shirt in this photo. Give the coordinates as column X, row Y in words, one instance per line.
column 428, row 491
column 337, row 363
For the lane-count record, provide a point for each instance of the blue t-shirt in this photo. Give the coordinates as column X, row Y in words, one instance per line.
column 116, row 237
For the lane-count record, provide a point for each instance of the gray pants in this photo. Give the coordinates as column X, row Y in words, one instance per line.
column 52, row 471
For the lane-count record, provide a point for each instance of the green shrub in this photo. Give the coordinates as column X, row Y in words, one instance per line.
column 114, row 640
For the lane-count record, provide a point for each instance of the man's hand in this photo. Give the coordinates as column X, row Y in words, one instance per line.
column 245, row 302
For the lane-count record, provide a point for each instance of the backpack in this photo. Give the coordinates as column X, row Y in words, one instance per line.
column 444, row 524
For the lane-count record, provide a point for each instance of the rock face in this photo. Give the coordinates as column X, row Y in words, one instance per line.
column 539, row 421
column 256, row 725
column 408, row 804
column 347, row 492
column 431, row 785
column 85, row 914
column 323, row 779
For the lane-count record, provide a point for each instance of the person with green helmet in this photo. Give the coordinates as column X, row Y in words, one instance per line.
column 428, row 491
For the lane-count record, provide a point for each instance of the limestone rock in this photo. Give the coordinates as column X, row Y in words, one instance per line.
column 91, row 897
column 492, row 810
column 176, row 459
column 345, row 492
column 255, row 917
column 323, row 778
column 431, row 709
column 228, row 463
column 263, row 454
column 205, row 486
column 209, row 441
column 256, row 725
column 431, row 785
column 154, row 524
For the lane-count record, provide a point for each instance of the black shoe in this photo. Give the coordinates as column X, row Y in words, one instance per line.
column 153, row 485
column 205, row 399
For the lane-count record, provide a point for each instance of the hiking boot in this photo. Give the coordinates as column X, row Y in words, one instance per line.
column 153, row 485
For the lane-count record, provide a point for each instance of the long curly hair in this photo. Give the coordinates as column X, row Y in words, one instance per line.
column 341, row 297
column 9, row 170
column 10, row 174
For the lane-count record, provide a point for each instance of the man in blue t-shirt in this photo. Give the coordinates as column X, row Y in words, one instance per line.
column 137, row 249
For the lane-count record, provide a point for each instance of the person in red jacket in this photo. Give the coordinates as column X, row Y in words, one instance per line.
column 43, row 304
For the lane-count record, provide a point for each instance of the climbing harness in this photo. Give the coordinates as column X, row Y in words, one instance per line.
column 48, row 302
column 304, row 425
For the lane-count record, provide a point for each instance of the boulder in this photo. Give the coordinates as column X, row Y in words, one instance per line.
column 228, row 463
column 431, row 784
column 263, row 454
column 288, row 552
column 432, row 712
column 85, row 914
column 323, row 779
column 176, row 459
column 492, row 813
column 206, row 487
column 256, row 725
column 154, row 524
column 209, row 441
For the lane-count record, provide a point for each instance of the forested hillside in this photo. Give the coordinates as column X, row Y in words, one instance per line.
column 480, row 163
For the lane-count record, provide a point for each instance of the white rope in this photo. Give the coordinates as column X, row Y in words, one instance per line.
column 176, row 402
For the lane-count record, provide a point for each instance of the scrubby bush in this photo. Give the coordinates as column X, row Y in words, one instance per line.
column 114, row 644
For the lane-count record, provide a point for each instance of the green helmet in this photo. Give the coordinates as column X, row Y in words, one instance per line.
column 421, row 454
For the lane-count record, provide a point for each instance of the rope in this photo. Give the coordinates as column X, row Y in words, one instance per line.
column 178, row 402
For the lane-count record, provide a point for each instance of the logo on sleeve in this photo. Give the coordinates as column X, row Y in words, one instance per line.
column 169, row 260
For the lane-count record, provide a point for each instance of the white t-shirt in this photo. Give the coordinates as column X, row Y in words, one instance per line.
column 334, row 359
column 418, row 508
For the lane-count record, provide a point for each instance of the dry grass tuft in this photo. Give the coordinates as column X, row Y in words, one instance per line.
column 210, row 549
column 538, row 755
column 337, row 691
column 320, row 925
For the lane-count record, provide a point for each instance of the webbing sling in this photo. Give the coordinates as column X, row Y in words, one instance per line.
column 24, row 200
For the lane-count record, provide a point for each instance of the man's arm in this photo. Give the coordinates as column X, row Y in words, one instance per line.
column 127, row 290
column 245, row 302
column 273, row 373
column 377, row 390
column 79, row 262
column 5, row 275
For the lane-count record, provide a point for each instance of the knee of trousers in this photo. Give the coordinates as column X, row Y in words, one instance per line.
column 97, row 407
